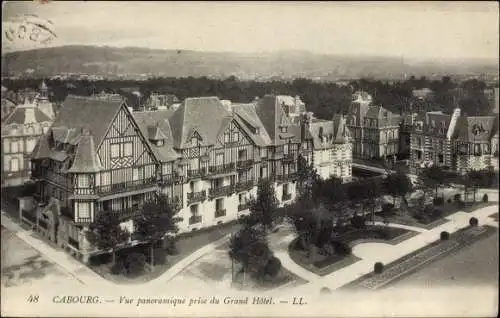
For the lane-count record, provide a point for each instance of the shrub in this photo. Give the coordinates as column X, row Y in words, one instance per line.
column 135, row 264
column 485, row 198
column 473, row 221
column 273, row 267
column 118, row 268
column 160, row 256
column 457, row 197
column 449, row 200
column 378, row 267
column 438, row 201
column 437, row 212
column 341, row 248
column 445, row 236
column 358, row 222
column 461, row 204
column 387, row 208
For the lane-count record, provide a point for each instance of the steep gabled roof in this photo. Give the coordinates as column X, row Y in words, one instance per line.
column 272, row 117
column 26, row 113
column 85, row 113
column 158, row 123
column 476, row 128
column 205, row 115
column 247, row 118
column 86, row 159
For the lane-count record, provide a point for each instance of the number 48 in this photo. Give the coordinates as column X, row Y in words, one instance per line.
column 33, row 298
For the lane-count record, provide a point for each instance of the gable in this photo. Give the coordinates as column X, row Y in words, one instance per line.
column 230, row 130
column 124, row 134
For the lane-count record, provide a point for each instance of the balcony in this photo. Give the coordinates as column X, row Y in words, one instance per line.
column 126, row 214
column 220, row 213
column 289, row 157
column 83, row 220
column 194, row 219
column 196, row 173
column 221, row 191
column 125, row 186
column 243, row 206
column 244, row 164
column 221, row 169
column 193, row 197
column 286, row 196
column 171, row 178
column 285, row 178
column 244, row 185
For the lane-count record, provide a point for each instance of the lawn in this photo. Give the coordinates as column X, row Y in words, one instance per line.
column 213, row 271
column 186, row 244
column 431, row 220
column 327, row 263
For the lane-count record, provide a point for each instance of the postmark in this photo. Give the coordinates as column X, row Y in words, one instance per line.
column 29, row 29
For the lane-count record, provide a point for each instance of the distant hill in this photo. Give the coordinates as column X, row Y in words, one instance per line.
column 183, row 63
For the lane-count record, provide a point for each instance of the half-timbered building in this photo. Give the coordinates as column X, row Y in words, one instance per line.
column 94, row 159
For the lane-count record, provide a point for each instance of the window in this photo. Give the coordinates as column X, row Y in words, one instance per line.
column 45, row 129
column 6, row 146
column 83, row 210
column 227, row 138
column 285, row 149
column 219, row 159
column 115, row 150
column 83, row 181
column 263, row 152
column 284, row 129
column 105, row 178
column 127, row 149
column 14, row 147
column 256, row 131
column 194, row 163
column 138, row 173
column 285, row 189
column 236, row 136
column 30, row 130
column 219, row 204
column 121, row 150
column 194, row 209
column 304, row 145
column 160, row 142
column 241, row 198
column 14, row 164
column 263, row 172
column 194, row 142
column 477, row 150
column 441, row 158
column 242, row 154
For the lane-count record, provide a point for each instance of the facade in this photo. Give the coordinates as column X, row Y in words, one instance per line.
column 99, row 157
column 20, row 132
column 374, row 129
column 161, row 101
column 331, row 148
column 458, row 142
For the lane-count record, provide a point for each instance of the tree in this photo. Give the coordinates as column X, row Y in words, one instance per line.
column 157, row 218
column 105, row 233
column 398, row 185
column 263, row 209
column 249, row 248
column 307, row 177
column 432, row 178
column 373, row 189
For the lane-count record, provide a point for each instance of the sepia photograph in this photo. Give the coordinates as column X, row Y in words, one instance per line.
column 249, row 159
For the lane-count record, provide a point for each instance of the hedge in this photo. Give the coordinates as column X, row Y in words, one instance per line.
column 378, row 267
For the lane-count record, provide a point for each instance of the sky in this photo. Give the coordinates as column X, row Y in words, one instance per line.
column 417, row 30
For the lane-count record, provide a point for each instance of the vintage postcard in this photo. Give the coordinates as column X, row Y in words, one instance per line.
column 249, row 159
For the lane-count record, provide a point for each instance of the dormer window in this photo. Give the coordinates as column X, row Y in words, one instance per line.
column 194, row 142
column 236, row 136
column 256, row 131
column 160, row 142
column 227, row 138
column 284, row 129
